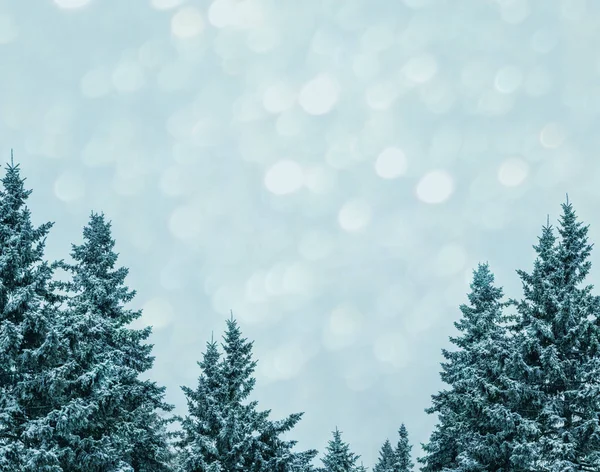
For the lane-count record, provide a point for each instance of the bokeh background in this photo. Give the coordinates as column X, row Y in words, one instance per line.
column 330, row 170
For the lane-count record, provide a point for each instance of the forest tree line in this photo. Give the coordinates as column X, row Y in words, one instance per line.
column 523, row 379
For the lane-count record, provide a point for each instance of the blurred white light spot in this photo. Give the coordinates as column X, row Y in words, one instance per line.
column 435, row 187
column 381, row 95
column 319, row 96
column 391, row 163
column 128, row 77
column 274, row 280
column 354, row 215
column 320, row 180
column 187, row 23
column 96, row 83
column 451, row 259
column 343, row 327
column 166, row 4
column 186, row 222
column 69, row 187
column 262, row 40
column 573, row 9
column 378, row 38
column 285, row 362
column 222, row 13
column 205, row 132
column 543, row 41
column 68, row 4
column 513, row 172
column 279, row 97
column 508, row 79
column 298, row 279
column 391, row 348
column 9, row 31
column 250, row 14
column 315, row 245
column 157, row 313
column 256, row 291
column 284, row 177
column 552, row 135
column 420, row 69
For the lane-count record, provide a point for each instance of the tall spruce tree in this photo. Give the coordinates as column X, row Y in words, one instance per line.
column 387, row 458
column 557, row 356
column 106, row 417
column 224, row 431
column 28, row 342
column 474, row 423
column 402, row 461
column 338, row 456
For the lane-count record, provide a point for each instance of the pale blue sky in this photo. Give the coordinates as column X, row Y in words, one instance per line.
column 330, row 170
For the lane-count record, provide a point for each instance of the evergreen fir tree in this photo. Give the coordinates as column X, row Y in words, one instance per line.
column 387, row 458
column 338, row 457
column 107, row 418
column 28, row 342
column 474, row 423
column 402, row 461
column 224, row 430
column 557, row 358
column 202, row 426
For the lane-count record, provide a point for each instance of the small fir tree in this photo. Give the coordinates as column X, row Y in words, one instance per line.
column 223, row 429
column 387, row 458
column 402, row 461
column 473, row 422
column 338, row 457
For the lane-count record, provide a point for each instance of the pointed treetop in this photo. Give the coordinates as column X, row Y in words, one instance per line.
column 567, row 198
column 11, row 157
column 548, row 220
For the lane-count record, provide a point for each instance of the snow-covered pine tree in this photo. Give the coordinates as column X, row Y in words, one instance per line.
column 473, row 422
column 387, row 458
column 338, row 456
column 28, row 343
column 201, row 427
column 223, row 429
column 108, row 418
column 402, row 461
column 557, row 357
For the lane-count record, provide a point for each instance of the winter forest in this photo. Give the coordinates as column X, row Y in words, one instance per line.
column 522, row 379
